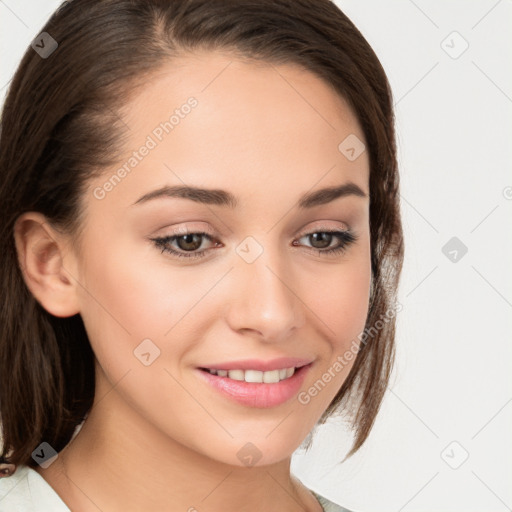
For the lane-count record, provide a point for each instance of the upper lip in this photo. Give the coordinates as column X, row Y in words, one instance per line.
column 258, row 364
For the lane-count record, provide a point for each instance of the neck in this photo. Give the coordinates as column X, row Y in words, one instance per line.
column 120, row 461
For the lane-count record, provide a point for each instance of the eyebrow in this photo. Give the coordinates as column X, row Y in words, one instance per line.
column 219, row 197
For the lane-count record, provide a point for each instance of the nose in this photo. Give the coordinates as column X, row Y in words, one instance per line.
column 263, row 299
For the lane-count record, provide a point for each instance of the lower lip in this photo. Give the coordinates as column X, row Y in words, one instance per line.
column 257, row 394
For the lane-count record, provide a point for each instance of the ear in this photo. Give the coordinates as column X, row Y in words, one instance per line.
column 43, row 258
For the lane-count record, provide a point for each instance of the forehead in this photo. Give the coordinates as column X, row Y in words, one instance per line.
column 241, row 93
column 253, row 125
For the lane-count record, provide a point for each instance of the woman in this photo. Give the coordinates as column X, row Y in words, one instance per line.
column 200, row 213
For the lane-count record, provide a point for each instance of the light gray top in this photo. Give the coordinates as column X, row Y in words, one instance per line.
column 27, row 491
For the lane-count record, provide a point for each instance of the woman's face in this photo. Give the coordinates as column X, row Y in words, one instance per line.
column 257, row 287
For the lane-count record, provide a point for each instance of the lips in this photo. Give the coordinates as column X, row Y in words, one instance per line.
column 257, row 394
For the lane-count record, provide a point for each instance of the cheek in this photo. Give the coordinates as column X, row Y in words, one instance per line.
column 342, row 297
column 125, row 301
column 340, row 303
column 347, row 309
column 131, row 294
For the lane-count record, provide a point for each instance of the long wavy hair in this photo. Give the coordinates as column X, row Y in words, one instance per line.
column 60, row 128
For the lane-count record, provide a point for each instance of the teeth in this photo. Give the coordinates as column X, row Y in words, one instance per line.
column 253, row 376
column 270, row 377
column 236, row 374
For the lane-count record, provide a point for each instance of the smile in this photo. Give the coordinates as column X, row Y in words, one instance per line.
column 255, row 388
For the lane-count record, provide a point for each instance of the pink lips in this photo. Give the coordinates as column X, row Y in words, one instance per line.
column 259, row 394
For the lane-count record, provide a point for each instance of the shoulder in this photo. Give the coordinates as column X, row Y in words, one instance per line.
column 328, row 505
column 25, row 490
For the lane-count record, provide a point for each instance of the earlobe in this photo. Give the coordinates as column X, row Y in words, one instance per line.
column 42, row 258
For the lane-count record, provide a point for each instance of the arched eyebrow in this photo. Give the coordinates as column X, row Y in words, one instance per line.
column 219, row 197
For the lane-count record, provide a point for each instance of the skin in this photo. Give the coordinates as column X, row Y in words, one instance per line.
column 158, row 438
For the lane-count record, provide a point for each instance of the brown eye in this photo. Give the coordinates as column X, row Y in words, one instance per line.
column 323, row 239
column 190, row 242
column 186, row 244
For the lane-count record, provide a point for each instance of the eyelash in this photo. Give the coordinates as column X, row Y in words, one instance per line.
column 346, row 238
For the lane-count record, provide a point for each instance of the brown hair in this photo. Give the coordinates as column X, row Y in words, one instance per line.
column 61, row 126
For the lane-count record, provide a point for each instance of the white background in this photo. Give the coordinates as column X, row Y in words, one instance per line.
column 452, row 381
